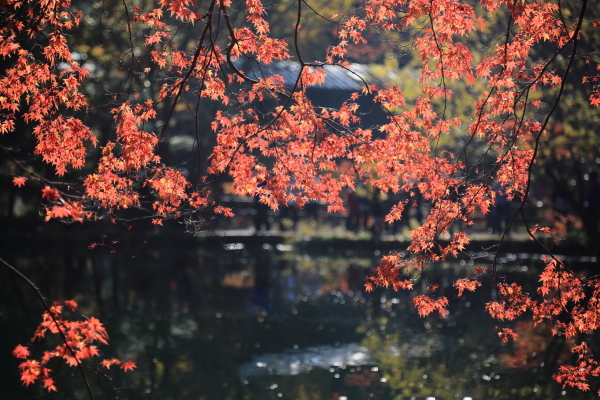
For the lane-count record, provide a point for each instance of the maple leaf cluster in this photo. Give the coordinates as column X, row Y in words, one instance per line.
column 47, row 88
column 77, row 345
column 569, row 305
column 302, row 142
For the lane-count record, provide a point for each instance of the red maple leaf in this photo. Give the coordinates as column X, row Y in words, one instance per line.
column 21, row 351
column 108, row 363
column 28, row 377
column 19, row 181
column 466, row 284
column 60, row 212
column 128, row 365
column 49, row 385
column 50, row 194
column 72, row 304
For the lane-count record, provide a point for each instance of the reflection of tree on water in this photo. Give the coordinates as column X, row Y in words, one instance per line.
column 301, row 286
column 183, row 318
column 535, row 347
column 351, row 281
column 457, row 358
column 263, row 279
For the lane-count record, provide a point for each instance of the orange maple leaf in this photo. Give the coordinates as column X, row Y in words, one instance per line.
column 71, row 361
column 19, row 181
column 28, row 377
column 50, row 194
column 59, row 212
column 49, row 385
column 72, row 304
column 466, row 284
column 128, row 365
column 109, row 363
column 21, row 351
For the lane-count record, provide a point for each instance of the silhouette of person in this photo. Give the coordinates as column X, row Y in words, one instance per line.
column 592, row 203
column 501, row 210
column 377, row 213
column 261, row 218
column 352, row 219
column 288, row 211
column 560, row 207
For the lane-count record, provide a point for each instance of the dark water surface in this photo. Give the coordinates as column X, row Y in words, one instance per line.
column 265, row 318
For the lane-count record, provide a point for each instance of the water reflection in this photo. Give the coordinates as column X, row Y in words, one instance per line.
column 255, row 319
column 302, row 361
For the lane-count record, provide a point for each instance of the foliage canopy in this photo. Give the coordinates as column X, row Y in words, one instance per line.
column 210, row 59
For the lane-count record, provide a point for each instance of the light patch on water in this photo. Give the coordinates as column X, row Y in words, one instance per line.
column 302, row 361
column 233, row 246
column 183, row 329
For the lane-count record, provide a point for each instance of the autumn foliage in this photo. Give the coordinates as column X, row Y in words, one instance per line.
column 290, row 149
column 77, row 338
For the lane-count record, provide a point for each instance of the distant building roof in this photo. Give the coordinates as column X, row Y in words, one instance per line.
column 336, row 77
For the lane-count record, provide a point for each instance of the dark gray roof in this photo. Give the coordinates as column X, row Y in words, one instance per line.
column 336, row 77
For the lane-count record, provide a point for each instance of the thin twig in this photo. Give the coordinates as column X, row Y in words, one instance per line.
column 59, row 327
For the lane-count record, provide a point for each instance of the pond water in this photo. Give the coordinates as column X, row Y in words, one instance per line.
column 262, row 318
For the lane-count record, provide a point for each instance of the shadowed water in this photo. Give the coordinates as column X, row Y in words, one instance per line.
column 261, row 318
